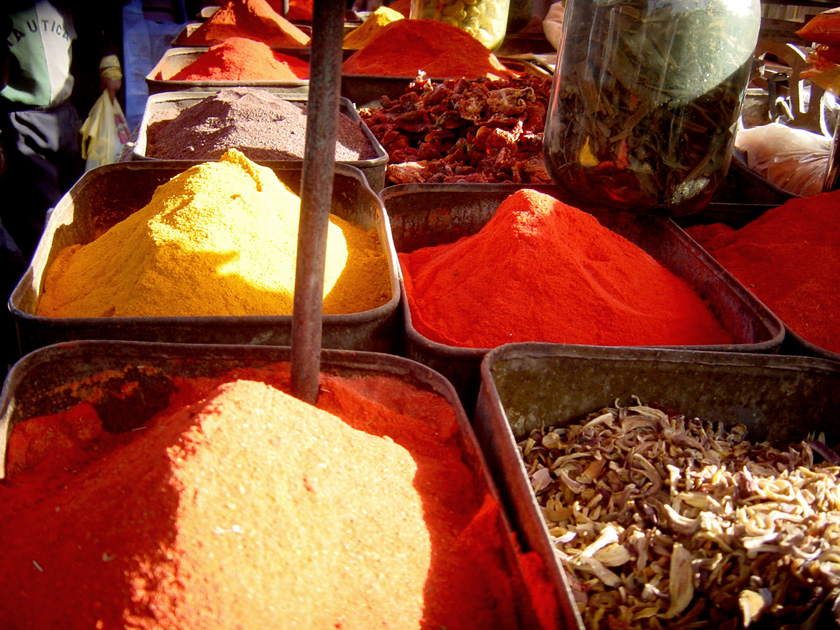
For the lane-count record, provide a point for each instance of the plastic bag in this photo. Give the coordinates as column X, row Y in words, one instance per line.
column 105, row 133
column 793, row 159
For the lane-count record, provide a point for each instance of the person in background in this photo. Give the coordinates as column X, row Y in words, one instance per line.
column 50, row 73
column 53, row 75
column 553, row 23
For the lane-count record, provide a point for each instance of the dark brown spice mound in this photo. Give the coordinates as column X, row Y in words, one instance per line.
column 258, row 123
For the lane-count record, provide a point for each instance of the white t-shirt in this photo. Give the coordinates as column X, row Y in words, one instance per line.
column 40, row 42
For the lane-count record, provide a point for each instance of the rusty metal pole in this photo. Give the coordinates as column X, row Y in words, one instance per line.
column 316, row 196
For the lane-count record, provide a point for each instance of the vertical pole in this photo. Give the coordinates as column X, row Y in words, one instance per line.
column 316, row 196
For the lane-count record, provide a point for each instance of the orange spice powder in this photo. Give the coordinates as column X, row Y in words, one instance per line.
column 242, row 59
column 406, row 47
column 241, row 507
column 248, row 18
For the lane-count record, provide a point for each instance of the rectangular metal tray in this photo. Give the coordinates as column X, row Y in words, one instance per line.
column 422, row 215
column 108, row 194
column 36, row 386
column 737, row 216
column 167, row 105
column 174, row 59
column 523, row 386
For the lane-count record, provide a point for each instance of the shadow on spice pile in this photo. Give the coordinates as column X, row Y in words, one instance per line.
column 220, row 491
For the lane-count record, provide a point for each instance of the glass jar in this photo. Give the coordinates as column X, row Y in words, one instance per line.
column 646, row 99
column 486, row 20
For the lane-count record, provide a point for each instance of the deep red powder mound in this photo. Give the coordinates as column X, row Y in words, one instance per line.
column 790, row 258
column 406, row 47
column 242, row 59
column 240, row 507
column 541, row 270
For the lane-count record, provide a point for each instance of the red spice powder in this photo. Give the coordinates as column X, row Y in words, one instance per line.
column 255, row 19
column 541, row 270
column 790, row 258
column 242, row 59
column 241, row 507
column 298, row 9
column 405, row 47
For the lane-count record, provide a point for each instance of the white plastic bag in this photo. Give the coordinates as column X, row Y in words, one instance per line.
column 793, row 159
column 105, row 133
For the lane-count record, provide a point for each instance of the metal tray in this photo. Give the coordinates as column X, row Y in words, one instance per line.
column 107, row 194
column 34, row 386
column 738, row 216
column 167, row 105
column 432, row 214
column 779, row 398
column 174, row 59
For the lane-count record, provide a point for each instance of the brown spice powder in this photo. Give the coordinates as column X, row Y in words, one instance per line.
column 261, row 125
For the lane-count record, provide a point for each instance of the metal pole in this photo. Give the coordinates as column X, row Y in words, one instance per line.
column 316, row 196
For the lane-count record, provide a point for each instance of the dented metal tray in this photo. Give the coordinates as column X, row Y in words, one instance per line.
column 423, row 215
column 167, row 105
column 108, row 194
column 174, row 59
column 525, row 386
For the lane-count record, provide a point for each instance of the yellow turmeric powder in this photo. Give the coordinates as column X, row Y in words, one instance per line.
column 359, row 37
column 218, row 239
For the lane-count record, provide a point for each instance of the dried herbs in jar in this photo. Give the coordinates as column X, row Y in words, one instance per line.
column 646, row 99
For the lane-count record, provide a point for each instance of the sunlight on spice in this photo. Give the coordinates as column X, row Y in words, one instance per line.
column 241, row 507
column 218, row 239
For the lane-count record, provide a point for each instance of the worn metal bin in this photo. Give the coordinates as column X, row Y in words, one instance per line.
column 54, row 378
column 525, row 386
column 423, row 215
column 108, row 194
column 175, row 59
column 167, row 105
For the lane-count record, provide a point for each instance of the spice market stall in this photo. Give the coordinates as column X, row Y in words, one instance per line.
column 492, row 309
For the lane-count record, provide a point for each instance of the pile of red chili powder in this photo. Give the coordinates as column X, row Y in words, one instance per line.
column 790, row 258
column 255, row 19
column 239, row 506
column 406, row 47
column 541, row 270
column 242, row 59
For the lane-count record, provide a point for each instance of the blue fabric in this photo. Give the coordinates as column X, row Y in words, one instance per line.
column 144, row 42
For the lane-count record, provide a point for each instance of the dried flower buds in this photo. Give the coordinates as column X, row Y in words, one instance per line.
column 665, row 522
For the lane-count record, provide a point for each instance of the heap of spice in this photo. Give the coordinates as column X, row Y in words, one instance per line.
column 466, row 130
column 790, row 258
column 254, row 19
column 541, row 270
column 406, row 48
column 240, row 507
column 370, row 28
column 242, row 59
column 262, row 125
column 666, row 521
column 218, row 239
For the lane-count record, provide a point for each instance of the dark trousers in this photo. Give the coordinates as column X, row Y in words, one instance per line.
column 43, row 162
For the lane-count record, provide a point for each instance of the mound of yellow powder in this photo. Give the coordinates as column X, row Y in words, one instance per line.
column 218, row 239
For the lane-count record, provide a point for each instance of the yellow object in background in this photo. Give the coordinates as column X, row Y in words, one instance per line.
column 359, row 38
